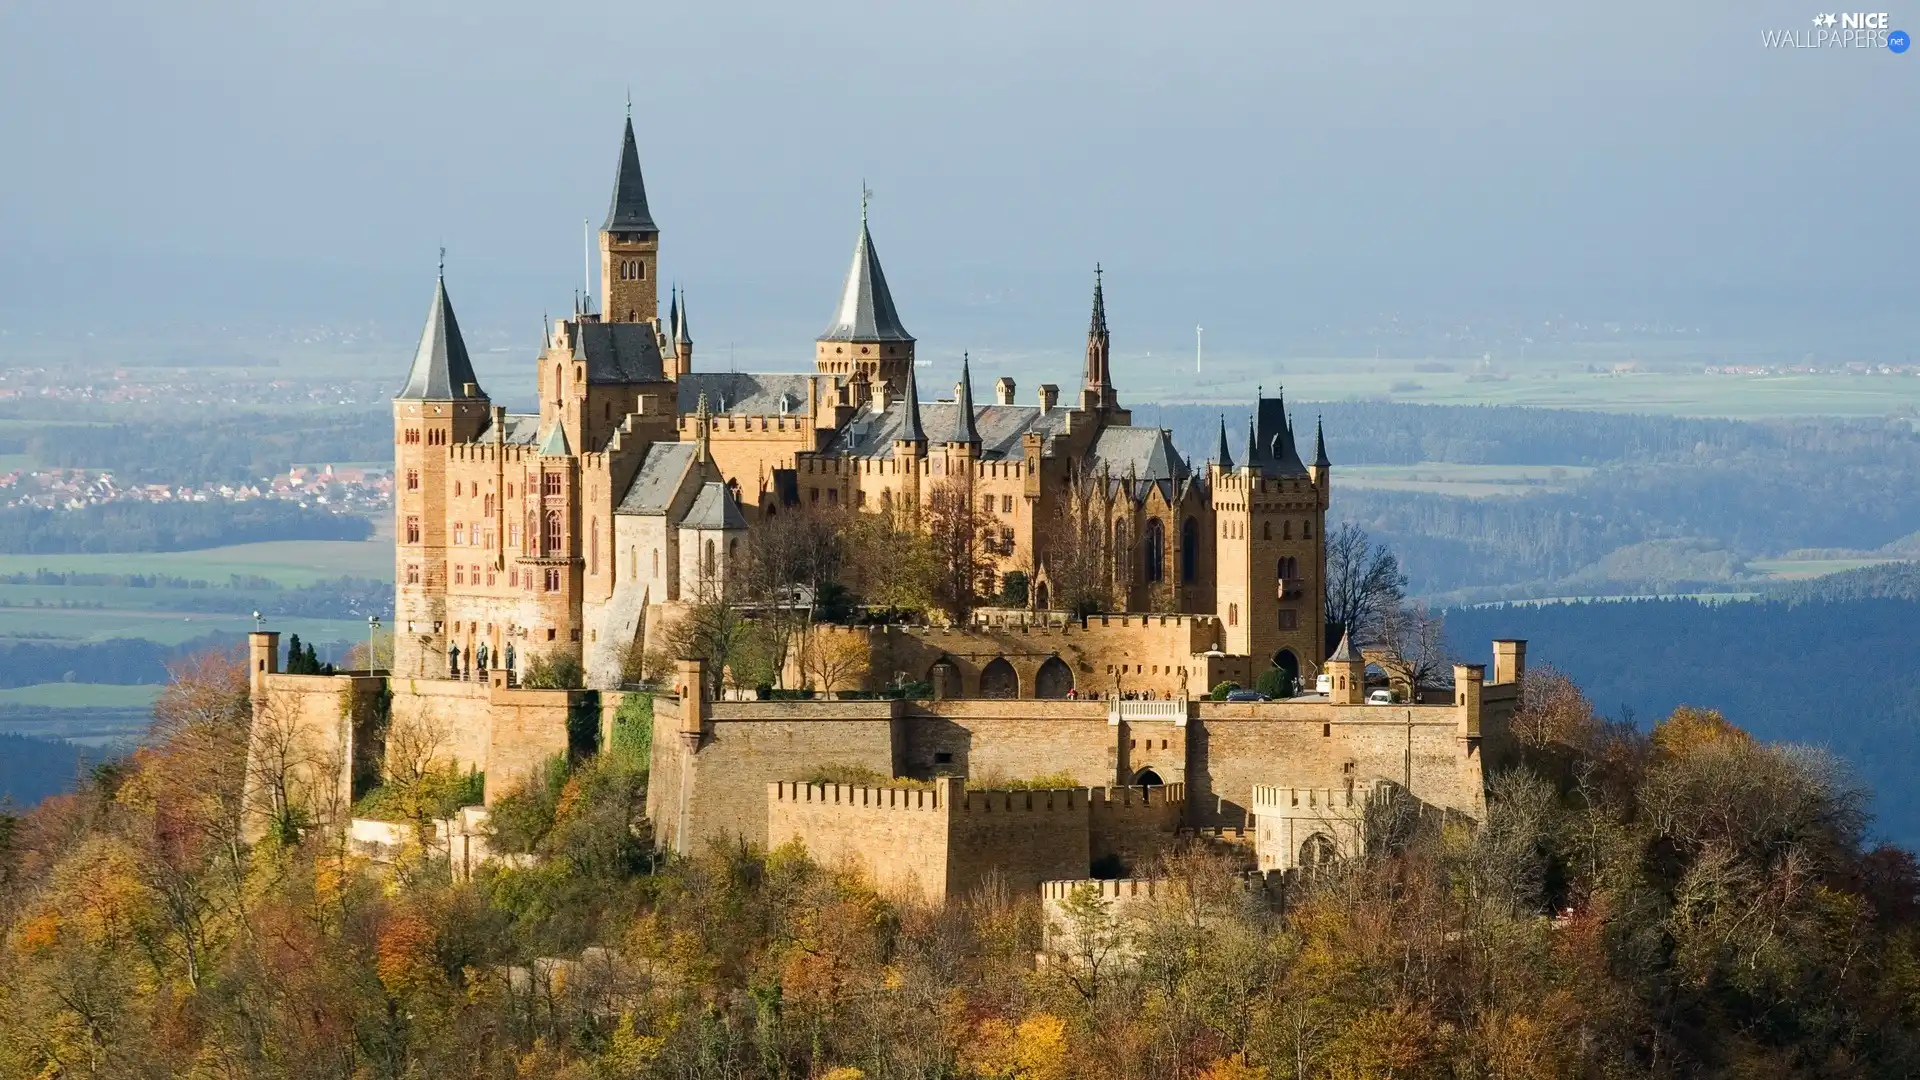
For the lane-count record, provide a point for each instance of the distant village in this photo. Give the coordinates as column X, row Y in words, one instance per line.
column 342, row 489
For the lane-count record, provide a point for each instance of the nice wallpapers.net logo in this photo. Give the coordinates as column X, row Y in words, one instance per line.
column 1845, row 30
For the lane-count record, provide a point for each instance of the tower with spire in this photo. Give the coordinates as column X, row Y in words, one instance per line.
column 1270, row 521
column 439, row 406
column 629, row 242
column 866, row 335
column 1097, row 390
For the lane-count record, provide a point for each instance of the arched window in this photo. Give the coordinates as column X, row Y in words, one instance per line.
column 1288, row 568
column 1306, row 529
column 1156, row 550
column 1233, row 614
column 1266, row 530
column 553, row 533
column 556, row 382
column 1190, row 551
column 593, row 546
column 488, row 504
column 707, row 565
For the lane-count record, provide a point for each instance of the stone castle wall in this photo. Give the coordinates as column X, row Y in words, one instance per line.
column 897, row 837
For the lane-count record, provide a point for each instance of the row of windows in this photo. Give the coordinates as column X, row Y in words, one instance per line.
column 1286, row 618
column 1235, row 530
column 633, row 270
column 435, row 437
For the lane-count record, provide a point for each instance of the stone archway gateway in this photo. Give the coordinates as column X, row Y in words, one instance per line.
column 999, row 680
column 1317, row 851
column 1054, row 679
column 1147, row 778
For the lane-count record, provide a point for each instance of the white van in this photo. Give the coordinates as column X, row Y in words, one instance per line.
column 1380, row 697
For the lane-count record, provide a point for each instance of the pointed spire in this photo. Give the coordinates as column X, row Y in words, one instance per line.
column 911, row 429
column 964, row 430
column 866, row 310
column 441, row 369
column 1320, row 443
column 628, row 211
column 681, row 336
column 703, row 423
column 1098, row 326
column 673, row 313
column 1220, row 454
column 1343, row 654
column 555, row 443
column 1253, row 449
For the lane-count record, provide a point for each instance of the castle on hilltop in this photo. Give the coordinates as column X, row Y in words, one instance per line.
column 585, row 529
column 639, row 478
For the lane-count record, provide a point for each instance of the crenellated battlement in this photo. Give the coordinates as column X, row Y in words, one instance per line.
column 914, row 799
column 1107, row 889
column 1272, row 797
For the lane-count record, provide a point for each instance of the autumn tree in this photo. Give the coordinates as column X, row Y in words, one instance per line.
column 1077, row 554
column 956, row 531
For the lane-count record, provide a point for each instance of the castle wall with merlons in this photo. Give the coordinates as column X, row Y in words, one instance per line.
column 1162, row 654
column 897, row 837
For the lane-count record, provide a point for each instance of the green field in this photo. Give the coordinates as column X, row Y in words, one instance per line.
column 289, row 562
column 166, row 627
column 1546, row 385
column 1469, row 481
column 1802, row 569
column 62, row 695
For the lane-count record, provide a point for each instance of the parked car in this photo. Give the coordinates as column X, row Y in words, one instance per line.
column 1248, row 695
column 1380, row 697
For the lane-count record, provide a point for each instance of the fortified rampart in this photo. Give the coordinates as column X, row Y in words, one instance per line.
column 946, row 840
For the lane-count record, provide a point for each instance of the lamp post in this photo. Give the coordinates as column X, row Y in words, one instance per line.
column 259, row 623
column 373, row 624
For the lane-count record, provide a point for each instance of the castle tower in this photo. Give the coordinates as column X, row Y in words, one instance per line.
column 551, row 561
column 866, row 334
column 682, row 338
column 440, row 405
column 629, row 243
column 1271, row 513
column 1097, row 391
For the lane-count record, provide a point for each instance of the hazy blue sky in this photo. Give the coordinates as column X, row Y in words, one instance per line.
column 1259, row 167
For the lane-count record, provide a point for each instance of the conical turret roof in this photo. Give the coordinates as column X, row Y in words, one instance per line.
column 1320, row 444
column 441, row 368
column 681, row 335
column 964, row 429
column 866, row 306
column 1220, row 454
column 911, row 429
column 628, row 212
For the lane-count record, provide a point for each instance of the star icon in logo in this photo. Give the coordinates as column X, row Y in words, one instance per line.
column 1830, row 19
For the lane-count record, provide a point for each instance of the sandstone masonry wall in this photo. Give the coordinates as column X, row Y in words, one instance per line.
column 897, row 837
column 1020, row 837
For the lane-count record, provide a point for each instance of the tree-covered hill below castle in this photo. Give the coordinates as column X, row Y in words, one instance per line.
column 1829, row 664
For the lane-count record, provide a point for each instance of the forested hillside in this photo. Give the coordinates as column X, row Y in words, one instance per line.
column 1680, row 903
column 170, row 526
column 32, row 769
column 1673, row 504
column 240, row 448
column 1833, row 673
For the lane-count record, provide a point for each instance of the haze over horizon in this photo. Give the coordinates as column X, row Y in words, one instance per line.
column 1268, row 171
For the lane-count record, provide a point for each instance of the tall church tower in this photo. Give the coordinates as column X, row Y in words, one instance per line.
column 1271, row 513
column 866, row 336
column 440, row 405
column 629, row 243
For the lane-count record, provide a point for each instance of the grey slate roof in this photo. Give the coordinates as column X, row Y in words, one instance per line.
column 746, row 392
column 1220, row 454
column 1343, row 654
column 872, row 435
column 441, row 368
column 523, row 429
column 911, row 429
column 1320, row 444
column 628, row 211
column 962, row 428
column 618, row 352
column 681, row 336
column 658, row 479
column 714, row 508
column 866, row 306
column 555, row 442
column 1142, row 453
column 1274, row 451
